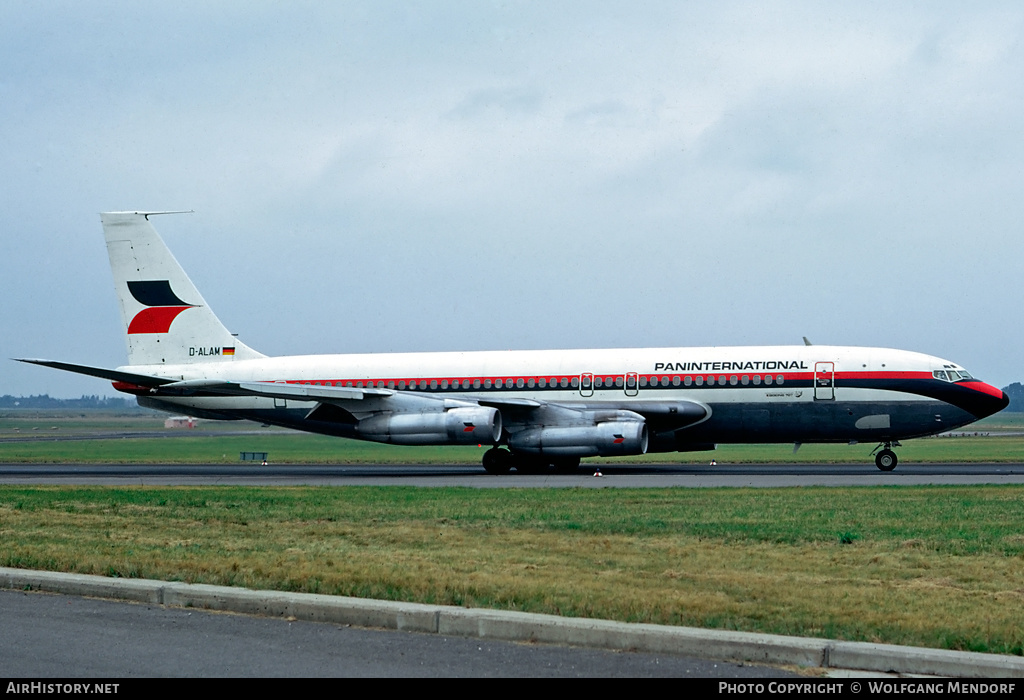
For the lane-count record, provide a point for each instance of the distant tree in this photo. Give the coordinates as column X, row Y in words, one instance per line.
column 85, row 402
column 1016, row 393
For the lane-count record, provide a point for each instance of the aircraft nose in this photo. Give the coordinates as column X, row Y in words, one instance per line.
column 1003, row 402
column 987, row 399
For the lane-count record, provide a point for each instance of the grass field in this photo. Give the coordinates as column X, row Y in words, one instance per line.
column 929, row 566
column 199, row 446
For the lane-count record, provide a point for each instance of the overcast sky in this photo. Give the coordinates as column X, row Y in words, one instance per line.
column 376, row 176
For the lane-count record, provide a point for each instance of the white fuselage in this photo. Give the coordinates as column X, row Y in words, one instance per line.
column 752, row 394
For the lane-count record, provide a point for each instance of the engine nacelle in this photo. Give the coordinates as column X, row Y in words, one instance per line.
column 601, row 440
column 457, row 426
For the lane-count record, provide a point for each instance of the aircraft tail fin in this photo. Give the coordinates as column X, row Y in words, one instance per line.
column 166, row 319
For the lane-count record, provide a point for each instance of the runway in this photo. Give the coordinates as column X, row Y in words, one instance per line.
column 613, row 476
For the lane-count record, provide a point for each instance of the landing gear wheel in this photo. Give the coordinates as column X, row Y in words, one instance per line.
column 497, row 461
column 886, row 460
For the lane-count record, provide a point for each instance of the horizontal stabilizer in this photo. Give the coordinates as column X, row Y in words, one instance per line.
column 111, row 374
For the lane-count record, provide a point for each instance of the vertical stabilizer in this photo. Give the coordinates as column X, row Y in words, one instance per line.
column 166, row 319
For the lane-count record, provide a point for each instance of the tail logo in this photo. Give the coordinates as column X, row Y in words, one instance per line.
column 163, row 306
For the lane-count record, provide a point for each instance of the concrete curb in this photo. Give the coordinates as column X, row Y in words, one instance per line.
column 522, row 627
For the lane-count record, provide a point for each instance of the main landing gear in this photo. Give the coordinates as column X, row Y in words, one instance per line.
column 886, row 459
column 499, row 461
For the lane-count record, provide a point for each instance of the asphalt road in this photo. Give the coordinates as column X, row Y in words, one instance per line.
column 56, row 636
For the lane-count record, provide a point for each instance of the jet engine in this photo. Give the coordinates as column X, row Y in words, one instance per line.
column 457, row 426
column 601, row 440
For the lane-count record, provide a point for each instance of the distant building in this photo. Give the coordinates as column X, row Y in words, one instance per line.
column 180, row 422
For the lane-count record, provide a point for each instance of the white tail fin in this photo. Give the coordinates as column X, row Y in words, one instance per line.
column 166, row 319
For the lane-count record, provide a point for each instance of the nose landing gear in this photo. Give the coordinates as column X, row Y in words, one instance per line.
column 886, row 459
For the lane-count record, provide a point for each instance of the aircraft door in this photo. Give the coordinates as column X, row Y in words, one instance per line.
column 631, row 384
column 586, row 384
column 824, row 381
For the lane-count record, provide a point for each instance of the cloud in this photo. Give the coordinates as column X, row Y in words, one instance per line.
column 468, row 175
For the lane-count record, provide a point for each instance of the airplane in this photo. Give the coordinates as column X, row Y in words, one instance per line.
column 537, row 410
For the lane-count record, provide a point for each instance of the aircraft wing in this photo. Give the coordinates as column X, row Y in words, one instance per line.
column 278, row 390
column 674, row 413
column 512, row 403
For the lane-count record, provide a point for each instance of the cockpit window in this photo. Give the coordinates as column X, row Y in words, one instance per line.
column 951, row 375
